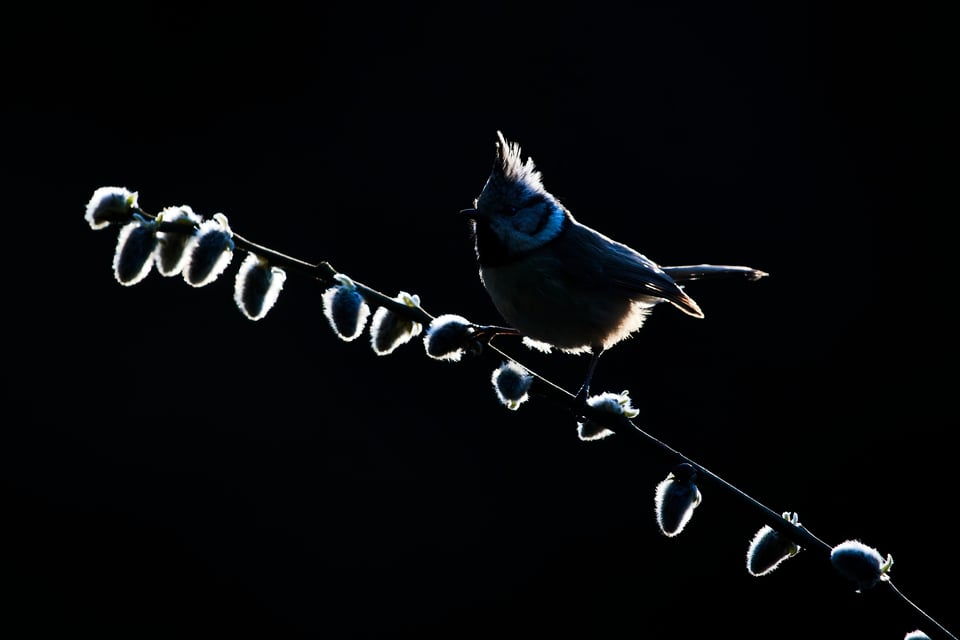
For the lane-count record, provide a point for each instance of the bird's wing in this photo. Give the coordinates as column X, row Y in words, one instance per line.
column 637, row 273
column 607, row 263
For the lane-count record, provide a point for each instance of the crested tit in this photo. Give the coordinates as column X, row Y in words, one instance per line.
column 560, row 283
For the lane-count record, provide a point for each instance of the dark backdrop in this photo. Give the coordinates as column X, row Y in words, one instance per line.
column 171, row 469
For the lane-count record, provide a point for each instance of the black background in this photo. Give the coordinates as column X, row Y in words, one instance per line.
column 171, row 469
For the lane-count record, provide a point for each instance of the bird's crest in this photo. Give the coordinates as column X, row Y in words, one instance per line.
column 512, row 167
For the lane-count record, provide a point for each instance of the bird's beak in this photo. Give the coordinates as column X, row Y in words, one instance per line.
column 469, row 213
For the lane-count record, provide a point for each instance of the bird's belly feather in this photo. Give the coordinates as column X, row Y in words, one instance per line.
column 571, row 313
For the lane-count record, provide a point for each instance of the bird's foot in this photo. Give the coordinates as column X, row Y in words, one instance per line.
column 486, row 333
column 580, row 400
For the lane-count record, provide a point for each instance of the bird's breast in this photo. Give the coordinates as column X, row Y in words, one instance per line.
column 538, row 296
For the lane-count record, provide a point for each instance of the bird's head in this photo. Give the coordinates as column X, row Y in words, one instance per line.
column 512, row 180
column 519, row 214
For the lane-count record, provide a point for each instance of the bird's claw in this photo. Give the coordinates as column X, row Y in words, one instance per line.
column 485, row 333
column 580, row 401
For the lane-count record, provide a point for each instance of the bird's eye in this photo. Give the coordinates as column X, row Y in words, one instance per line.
column 510, row 210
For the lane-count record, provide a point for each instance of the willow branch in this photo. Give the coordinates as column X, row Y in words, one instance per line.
column 325, row 273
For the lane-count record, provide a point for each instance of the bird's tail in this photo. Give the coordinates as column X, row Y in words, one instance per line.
column 687, row 273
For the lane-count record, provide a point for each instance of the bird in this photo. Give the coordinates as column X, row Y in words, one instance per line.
column 559, row 283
